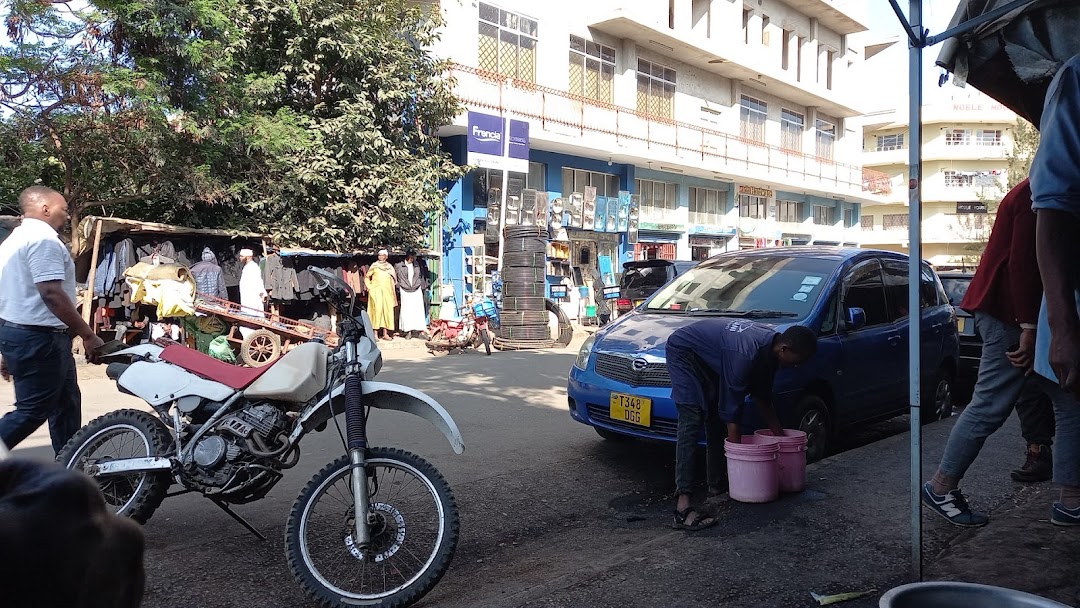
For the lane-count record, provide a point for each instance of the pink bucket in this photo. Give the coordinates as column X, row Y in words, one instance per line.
column 752, row 472
column 791, row 460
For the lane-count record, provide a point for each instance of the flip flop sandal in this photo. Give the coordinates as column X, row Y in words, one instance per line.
column 701, row 522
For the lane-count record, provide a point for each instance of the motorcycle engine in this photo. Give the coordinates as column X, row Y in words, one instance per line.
column 225, row 451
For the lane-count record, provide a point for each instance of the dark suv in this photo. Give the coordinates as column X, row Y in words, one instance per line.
column 643, row 278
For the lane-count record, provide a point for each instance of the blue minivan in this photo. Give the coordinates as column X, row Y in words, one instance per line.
column 857, row 301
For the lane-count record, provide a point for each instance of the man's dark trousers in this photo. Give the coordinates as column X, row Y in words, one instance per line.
column 46, row 387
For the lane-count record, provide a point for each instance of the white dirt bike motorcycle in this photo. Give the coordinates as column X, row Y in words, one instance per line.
column 376, row 527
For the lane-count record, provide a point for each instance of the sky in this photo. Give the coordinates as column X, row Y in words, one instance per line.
column 886, row 74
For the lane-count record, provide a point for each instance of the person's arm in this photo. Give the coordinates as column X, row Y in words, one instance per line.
column 1058, row 248
column 1025, row 283
column 59, row 304
column 222, row 290
column 768, row 414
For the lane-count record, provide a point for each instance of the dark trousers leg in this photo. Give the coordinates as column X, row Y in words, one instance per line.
column 43, row 370
column 1036, row 412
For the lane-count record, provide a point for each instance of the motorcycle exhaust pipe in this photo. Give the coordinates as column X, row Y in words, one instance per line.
column 127, row 466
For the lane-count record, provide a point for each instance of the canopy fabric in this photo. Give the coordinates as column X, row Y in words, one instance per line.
column 1014, row 57
column 116, row 224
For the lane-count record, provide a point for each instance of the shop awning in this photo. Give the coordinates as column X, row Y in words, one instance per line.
column 1014, row 54
column 110, row 225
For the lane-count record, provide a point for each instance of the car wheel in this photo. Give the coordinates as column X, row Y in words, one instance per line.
column 611, row 435
column 937, row 398
column 814, row 420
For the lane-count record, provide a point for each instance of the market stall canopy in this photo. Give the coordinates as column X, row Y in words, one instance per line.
column 114, row 224
column 300, row 251
column 1013, row 56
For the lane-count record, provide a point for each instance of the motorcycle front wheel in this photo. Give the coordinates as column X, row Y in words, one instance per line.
column 414, row 534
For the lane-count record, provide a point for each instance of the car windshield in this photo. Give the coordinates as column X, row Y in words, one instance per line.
column 955, row 288
column 755, row 286
column 645, row 277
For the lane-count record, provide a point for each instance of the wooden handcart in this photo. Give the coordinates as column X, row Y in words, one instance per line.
column 274, row 334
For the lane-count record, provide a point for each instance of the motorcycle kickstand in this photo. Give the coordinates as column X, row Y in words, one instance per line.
column 240, row 520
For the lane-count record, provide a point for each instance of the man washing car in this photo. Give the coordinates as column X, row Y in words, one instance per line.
column 714, row 364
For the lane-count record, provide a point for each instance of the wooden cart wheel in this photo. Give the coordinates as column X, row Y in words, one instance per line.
column 260, row 348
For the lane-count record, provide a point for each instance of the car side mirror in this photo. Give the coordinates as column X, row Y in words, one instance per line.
column 856, row 319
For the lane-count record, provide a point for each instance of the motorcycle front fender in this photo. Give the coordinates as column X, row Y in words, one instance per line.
column 386, row 396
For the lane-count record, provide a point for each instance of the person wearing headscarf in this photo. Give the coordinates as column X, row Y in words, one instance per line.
column 382, row 296
column 209, row 280
column 252, row 289
column 412, row 283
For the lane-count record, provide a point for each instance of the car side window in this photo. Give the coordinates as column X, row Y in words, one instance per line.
column 864, row 289
column 828, row 324
column 896, row 288
column 931, row 293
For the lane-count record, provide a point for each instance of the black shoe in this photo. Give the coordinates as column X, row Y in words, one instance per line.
column 953, row 507
column 1060, row 516
column 1039, row 465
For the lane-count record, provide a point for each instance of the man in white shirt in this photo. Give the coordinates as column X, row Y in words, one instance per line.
column 252, row 288
column 37, row 320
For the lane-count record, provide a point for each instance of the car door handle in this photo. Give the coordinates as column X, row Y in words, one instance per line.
column 894, row 340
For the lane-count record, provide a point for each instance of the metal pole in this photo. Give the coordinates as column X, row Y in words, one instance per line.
column 915, row 71
column 503, row 197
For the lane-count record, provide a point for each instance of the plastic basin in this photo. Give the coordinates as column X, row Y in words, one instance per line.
column 961, row 595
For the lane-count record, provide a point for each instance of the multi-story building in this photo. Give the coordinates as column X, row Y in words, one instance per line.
column 967, row 139
column 733, row 123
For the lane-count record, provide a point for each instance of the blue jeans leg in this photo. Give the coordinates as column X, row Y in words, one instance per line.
column 996, row 390
column 1067, row 435
column 46, row 387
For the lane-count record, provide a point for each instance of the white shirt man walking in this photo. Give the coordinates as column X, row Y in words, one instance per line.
column 37, row 320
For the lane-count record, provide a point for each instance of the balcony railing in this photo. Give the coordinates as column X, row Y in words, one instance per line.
column 574, row 115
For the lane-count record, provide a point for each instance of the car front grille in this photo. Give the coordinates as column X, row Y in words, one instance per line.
column 622, row 370
column 661, row 427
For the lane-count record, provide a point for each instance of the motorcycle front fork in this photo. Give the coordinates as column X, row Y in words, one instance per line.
column 356, row 437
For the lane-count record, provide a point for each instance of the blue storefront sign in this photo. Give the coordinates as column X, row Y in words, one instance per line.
column 519, row 139
column 486, row 134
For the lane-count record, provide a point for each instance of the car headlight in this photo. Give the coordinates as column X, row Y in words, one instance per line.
column 586, row 351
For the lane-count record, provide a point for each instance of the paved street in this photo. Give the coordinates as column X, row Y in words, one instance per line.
column 551, row 515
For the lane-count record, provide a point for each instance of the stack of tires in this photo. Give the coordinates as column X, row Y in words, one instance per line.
column 523, row 322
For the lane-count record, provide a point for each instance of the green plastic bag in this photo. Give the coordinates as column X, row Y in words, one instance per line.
column 220, row 349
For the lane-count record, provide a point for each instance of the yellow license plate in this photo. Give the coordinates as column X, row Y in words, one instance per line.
column 960, row 322
column 631, row 409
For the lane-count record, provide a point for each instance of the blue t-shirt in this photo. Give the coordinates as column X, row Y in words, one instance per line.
column 1055, row 173
column 738, row 354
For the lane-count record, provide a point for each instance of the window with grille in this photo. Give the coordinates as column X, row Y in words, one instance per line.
column 890, row 142
column 957, row 137
column 849, row 218
column 655, row 89
column 824, row 216
column 752, row 116
column 575, row 180
column 756, row 207
column 507, row 43
column 988, row 137
column 791, row 130
column 894, row 221
column 826, row 139
column 592, row 69
column 867, row 222
column 706, row 206
column 789, row 211
column 658, row 200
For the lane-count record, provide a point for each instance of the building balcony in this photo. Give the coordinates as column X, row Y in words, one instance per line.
column 727, row 57
column 881, row 158
column 577, row 125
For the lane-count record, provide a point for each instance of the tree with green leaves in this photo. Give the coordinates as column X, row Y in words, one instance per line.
column 1025, row 144
column 311, row 121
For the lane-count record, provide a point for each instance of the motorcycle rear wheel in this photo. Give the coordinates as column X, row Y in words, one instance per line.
column 318, row 536
column 130, row 434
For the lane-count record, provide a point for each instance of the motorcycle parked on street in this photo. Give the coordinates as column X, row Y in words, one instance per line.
column 470, row 331
column 375, row 527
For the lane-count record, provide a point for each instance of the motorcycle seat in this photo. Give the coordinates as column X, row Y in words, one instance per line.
column 232, row 376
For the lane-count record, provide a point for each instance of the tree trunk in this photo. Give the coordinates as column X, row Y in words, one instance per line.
column 76, row 238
